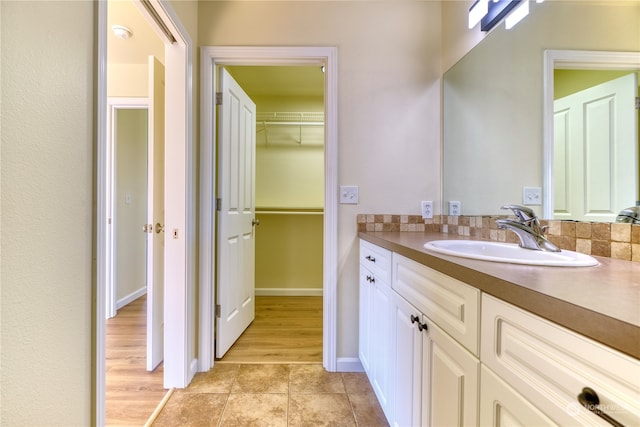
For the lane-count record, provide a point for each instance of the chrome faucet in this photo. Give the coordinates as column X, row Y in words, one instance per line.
column 527, row 228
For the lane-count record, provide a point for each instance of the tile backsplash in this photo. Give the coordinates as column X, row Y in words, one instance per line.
column 620, row 241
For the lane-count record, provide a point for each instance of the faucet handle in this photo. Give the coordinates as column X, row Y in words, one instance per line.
column 523, row 213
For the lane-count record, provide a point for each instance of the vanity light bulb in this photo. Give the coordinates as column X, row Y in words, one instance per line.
column 478, row 10
column 517, row 15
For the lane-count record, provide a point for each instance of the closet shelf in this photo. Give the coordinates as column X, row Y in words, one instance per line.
column 290, row 128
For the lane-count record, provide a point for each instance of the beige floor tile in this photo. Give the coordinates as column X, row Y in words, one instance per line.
column 367, row 410
column 220, row 379
column 356, row 382
column 314, row 379
column 191, row 409
column 328, row 409
column 262, row 379
column 255, row 410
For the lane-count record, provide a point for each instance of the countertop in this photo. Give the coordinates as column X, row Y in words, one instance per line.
column 601, row 302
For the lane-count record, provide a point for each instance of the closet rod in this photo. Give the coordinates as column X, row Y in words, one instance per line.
column 292, row 211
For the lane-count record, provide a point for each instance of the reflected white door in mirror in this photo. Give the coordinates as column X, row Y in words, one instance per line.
column 590, row 167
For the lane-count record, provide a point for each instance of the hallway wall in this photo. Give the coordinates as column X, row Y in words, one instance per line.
column 47, row 261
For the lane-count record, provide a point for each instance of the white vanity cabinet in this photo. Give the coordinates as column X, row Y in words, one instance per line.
column 550, row 366
column 375, row 319
column 436, row 378
column 435, row 359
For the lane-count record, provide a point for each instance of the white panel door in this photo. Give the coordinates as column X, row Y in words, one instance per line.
column 596, row 156
column 236, row 216
column 155, row 216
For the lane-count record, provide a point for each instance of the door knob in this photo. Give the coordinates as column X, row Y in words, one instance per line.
column 159, row 227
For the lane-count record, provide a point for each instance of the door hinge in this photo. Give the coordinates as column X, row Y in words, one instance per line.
column 218, row 204
column 218, row 98
column 637, row 102
column 218, row 310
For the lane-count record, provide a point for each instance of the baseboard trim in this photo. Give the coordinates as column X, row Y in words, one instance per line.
column 289, row 292
column 131, row 297
column 349, row 364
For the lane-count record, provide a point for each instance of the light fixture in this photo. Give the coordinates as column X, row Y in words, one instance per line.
column 517, row 15
column 477, row 11
column 122, row 32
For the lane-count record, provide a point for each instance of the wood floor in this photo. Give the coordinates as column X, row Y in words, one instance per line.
column 132, row 393
column 285, row 330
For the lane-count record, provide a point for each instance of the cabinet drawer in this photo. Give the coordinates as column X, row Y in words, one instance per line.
column 551, row 365
column 500, row 405
column 451, row 304
column 376, row 259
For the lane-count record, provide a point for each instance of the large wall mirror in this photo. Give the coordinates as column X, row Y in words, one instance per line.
column 495, row 122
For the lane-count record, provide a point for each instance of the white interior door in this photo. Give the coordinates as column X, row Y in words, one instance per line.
column 155, row 217
column 596, row 151
column 236, row 213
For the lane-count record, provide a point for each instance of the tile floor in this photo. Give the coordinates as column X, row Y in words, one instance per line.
column 273, row 395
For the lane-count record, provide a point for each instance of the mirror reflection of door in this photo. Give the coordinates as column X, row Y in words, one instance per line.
column 596, row 149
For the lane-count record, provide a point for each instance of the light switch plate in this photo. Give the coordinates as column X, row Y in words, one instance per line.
column 531, row 196
column 349, row 194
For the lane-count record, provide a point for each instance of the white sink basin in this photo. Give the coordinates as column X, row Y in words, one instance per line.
column 510, row 253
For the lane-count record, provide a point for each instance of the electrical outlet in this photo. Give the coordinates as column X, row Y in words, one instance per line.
column 426, row 207
column 349, row 194
column 454, row 208
column 531, row 196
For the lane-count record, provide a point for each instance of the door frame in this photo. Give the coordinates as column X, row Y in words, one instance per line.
column 570, row 59
column 113, row 105
column 180, row 201
column 211, row 57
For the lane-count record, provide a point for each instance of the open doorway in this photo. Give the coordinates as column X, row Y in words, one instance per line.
column 289, row 208
column 131, row 124
column 212, row 57
column 179, row 209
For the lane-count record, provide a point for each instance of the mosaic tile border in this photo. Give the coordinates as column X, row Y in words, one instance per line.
column 619, row 241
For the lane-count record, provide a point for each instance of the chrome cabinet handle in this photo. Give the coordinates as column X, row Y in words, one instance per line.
column 590, row 400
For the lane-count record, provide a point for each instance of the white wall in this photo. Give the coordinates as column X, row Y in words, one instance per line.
column 131, row 212
column 46, row 204
column 388, row 105
column 128, row 80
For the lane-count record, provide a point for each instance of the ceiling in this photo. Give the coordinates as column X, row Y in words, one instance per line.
column 279, row 81
column 255, row 80
column 144, row 42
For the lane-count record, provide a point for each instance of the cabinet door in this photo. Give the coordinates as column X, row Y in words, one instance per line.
column 375, row 350
column 407, row 364
column 381, row 348
column 451, row 376
column 500, row 405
